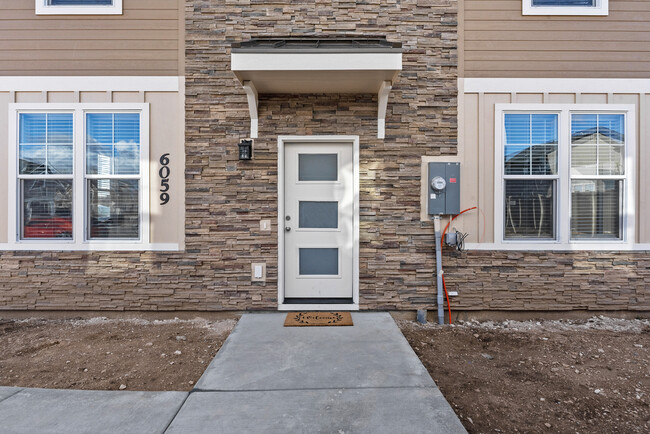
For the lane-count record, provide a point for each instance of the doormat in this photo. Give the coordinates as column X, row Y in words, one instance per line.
column 305, row 319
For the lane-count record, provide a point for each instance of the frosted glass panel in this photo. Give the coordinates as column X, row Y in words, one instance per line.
column 318, row 215
column 319, row 261
column 317, row 167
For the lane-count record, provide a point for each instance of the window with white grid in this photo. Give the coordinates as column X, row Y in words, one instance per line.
column 80, row 173
column 564, row 174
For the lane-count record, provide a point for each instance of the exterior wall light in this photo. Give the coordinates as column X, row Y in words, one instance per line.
column 245, row 150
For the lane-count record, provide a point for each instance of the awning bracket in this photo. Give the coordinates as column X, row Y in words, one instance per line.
column 382, row 102
column 253, row 98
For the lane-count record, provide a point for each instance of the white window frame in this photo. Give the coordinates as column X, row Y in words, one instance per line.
column 42, row 8
column 601, row 8
column 79, row 239
column 563, row 239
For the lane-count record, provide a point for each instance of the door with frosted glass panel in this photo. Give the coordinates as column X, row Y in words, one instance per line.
column 318, row 220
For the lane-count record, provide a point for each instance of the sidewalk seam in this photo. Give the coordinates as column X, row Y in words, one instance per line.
column 177, row 411
column 13, row 394
column 317, row 388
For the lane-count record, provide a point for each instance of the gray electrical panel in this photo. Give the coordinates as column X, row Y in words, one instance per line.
column 443, row 194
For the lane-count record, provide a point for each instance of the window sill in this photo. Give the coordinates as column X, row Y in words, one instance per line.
column 91, row 247
column 565, row 11
column 43, row 9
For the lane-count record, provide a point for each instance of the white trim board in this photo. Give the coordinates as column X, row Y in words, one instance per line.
column 557, row 247
column 554, row 85
column 42, row 8
column 330, row 307
column 90, row 83
column 316, row 61
column 93, row 247
column 601, row 8
column 354, row 141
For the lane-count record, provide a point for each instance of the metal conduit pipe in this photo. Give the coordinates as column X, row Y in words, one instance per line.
column 440, row 298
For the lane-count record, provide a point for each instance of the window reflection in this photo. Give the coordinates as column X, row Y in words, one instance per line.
column 47, row 208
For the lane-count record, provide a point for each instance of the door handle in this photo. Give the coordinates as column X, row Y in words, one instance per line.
column 287, row 229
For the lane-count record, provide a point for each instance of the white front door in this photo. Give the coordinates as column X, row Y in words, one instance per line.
column 318, row 220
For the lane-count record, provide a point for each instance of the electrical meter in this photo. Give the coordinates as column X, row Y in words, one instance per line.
column 438, row 183
column 443, row 195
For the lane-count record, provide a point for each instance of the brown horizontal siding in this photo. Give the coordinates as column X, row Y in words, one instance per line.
column 500, row 42
column 144, row 40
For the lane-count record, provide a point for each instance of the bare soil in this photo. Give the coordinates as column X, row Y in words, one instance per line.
column 108, row 354
column 553, row 376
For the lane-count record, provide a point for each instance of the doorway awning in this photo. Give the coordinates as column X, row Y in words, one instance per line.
column 290, row 66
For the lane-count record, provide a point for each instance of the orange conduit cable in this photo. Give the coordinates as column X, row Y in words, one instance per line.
column 442, row 241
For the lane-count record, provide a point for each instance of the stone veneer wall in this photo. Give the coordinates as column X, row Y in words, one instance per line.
column 547, row 281
column 226, row 198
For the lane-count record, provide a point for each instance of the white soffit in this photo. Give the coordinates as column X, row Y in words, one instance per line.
column 315, row 72
column 299, row 66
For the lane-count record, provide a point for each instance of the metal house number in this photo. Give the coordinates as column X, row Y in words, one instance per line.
column 164, row 173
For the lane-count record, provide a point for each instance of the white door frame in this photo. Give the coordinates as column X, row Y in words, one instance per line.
column 354, row 141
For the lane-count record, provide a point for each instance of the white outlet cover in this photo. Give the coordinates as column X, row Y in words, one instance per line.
column 258, row 272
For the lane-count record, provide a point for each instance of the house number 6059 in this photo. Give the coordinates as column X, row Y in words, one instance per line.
column 164, row 173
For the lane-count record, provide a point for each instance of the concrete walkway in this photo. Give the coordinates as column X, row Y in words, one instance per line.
column 266, row 378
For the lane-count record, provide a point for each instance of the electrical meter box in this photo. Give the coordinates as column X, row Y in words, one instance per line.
column 443, row 194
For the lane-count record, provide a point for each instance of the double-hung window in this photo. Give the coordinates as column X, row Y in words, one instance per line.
column 79, row 174
column 564, row 173
column 565, row 7
column 78, row 7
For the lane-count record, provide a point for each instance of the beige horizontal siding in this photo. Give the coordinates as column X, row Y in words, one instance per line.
column 498, row 41
column 147, row 39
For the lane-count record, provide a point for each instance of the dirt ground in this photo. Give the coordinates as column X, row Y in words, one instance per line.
column 108, row 354
column 553, row 376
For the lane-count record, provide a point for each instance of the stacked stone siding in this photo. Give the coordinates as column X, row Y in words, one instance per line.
column 548, row 281
column 226, row 198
